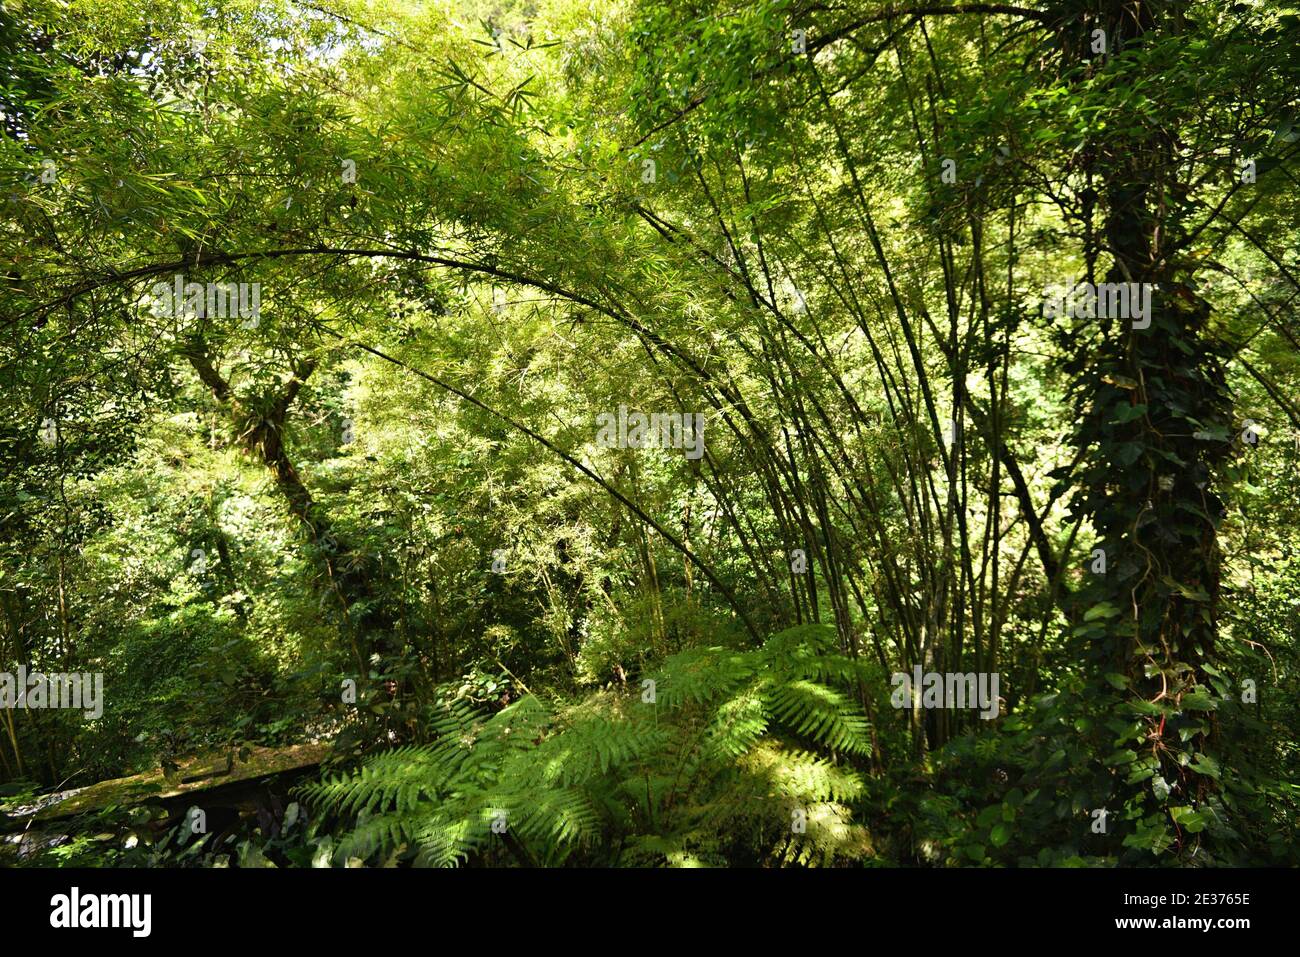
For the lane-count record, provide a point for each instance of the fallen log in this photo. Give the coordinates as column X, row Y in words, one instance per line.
column 213, row 780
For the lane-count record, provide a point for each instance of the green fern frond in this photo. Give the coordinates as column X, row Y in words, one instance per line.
column 702, row 675
column 560, row 816
column 675, row 780
column 394, row 779
column 376, row 833
column 804, row 777
column 738, row 724
column 593, row 747
column 446, row 841
column 829, row 835
column 800, row 643
column 821, row 713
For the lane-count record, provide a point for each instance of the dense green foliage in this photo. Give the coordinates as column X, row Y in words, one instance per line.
column 378, row 509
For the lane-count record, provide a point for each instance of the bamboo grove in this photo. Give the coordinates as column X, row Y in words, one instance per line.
column 829, row 230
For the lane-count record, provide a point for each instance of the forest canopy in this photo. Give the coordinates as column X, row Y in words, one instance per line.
column 644, row 433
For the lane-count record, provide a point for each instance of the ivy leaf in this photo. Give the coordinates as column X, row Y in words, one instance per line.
column 1198, row 701
column 1101, row 610
column 1204, row 764
column 1127, row 453
column 1127, row 413
column 989, row 815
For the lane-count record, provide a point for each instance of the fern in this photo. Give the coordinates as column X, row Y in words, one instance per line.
column 397, row 778
column 702, row 675
column 821, row 713
column 735, row 742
